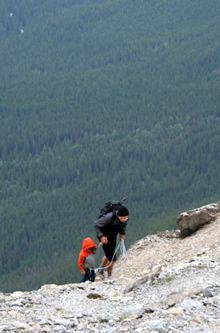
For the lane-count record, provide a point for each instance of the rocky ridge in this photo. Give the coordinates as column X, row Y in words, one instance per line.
column 166, row 285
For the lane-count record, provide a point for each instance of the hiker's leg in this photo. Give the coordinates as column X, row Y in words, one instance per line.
column 86, row 276
column 105, row 262
column 110, row 269
column 92, row 275
column 110, row 254
column 84, row 279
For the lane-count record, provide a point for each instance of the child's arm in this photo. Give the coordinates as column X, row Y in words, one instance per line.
column 81, row 261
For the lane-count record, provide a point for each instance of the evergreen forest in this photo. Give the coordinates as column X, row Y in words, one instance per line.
column 100, row 100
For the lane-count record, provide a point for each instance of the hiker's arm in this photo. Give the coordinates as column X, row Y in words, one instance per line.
column 123, row 231
column 102, row 222
column 81, row 261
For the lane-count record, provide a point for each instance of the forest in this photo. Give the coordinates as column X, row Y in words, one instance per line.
column 101, row 100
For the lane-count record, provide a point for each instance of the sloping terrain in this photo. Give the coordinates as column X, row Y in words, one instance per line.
column 166, row 249
column 166, row 285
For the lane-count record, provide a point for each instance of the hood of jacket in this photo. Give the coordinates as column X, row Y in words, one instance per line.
column 88, row 243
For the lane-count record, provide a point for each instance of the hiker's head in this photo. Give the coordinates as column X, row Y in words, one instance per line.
column 91, row 249
column 123, row 214
column 88, row 243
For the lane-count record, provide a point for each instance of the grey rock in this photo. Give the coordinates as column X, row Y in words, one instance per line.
column 190, row 304
column 132, row 312
column 190, row 221
column 95, row 296
column 207, row 292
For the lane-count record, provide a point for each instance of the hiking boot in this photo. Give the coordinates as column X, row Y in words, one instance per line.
column 109, row 279
column 101, row 273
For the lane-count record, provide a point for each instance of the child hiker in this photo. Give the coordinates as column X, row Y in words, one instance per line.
column 86, row 260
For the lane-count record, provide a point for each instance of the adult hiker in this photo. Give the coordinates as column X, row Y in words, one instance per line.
column 107, row 228
column 86, row 260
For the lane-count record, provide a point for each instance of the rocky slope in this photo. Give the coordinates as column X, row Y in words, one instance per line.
column 167, row 284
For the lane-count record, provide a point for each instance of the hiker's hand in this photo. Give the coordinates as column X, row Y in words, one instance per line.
column 104, row 240
column 122, row 237
column 82, row 272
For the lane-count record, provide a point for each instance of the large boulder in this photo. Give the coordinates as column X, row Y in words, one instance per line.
column 191, row 220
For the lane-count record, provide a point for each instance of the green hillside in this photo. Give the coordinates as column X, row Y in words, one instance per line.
column 99, row 100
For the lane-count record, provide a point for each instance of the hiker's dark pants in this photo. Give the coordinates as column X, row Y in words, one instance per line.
column 89, row 276
column 109, row 249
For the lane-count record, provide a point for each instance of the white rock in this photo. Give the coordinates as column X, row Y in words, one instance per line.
column 175, row 311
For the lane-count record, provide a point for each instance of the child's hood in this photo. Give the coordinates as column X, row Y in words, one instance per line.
column 88, row 243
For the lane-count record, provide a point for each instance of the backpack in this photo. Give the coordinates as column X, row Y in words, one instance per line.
column 111, row 206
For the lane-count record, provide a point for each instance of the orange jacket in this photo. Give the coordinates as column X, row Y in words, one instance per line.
column 88, row 245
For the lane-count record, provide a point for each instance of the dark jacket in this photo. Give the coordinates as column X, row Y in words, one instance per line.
column 109, row 226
